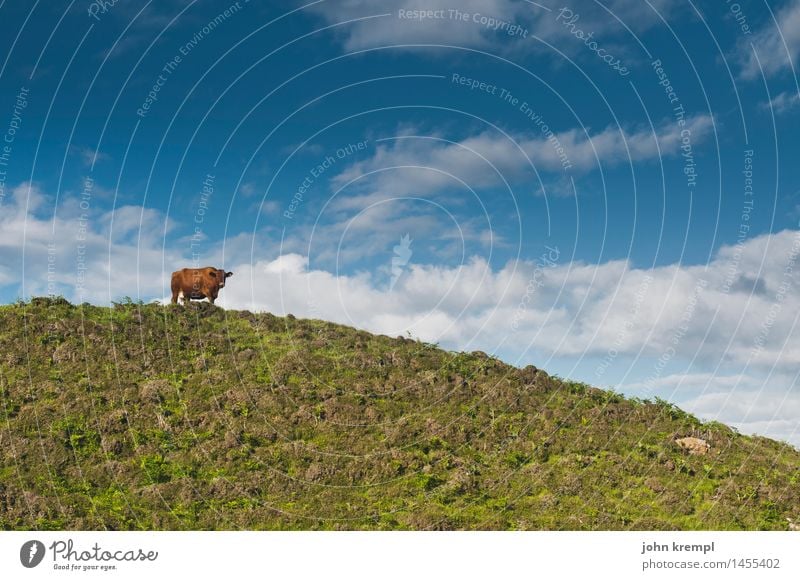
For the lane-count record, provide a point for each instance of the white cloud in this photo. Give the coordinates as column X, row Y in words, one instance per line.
column 248, row 189
column 128, row 262
column 429, row 163
column 775, row 46
column 579, row 309
column 760, row 401
column 392, row 29
column 290, row 264
column 536, row 18
column 783, row 102
column 88, row 155
column 762, row 409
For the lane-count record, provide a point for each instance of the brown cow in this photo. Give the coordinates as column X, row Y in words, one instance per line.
column 198, row 283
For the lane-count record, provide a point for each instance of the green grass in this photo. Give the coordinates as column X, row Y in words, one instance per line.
column 140, row 416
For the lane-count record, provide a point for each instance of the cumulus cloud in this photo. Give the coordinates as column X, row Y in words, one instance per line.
column 775, row 46
column 84, row 254
column 566, row 308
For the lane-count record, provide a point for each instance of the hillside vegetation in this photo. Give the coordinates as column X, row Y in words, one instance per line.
column 152, row 417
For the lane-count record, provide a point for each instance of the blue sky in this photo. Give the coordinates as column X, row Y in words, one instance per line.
column 606, row 190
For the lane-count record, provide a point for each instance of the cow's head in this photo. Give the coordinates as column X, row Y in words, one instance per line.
column 220, row 276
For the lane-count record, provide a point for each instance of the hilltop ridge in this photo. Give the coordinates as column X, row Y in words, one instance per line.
column 151, row 417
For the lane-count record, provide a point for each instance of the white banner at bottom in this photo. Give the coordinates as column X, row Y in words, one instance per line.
column 419, row 555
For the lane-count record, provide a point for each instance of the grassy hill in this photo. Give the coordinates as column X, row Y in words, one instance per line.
column 151, row 417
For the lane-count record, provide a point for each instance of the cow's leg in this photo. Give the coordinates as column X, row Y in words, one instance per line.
column 211, row 294
column 175, row 287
